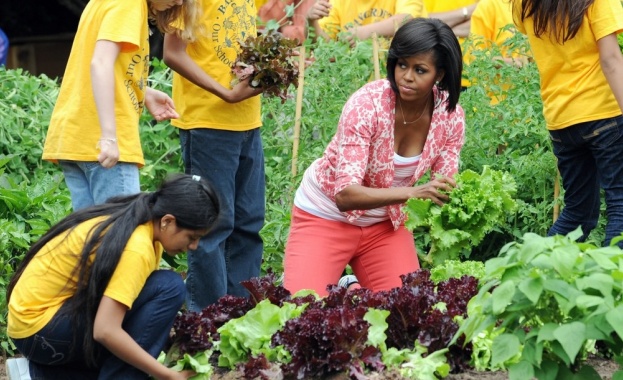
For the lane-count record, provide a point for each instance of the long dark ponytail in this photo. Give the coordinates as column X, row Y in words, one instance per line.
column 560, row 19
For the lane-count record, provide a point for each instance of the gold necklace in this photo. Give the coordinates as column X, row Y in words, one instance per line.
column 404, row 121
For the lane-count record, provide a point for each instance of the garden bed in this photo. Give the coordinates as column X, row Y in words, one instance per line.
column 605, row 368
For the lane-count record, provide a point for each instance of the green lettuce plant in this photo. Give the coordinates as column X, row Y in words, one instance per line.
column 478, row 204
column 549, row 298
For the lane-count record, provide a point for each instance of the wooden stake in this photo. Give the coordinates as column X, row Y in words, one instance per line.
column 375, row 56
column 299, row 107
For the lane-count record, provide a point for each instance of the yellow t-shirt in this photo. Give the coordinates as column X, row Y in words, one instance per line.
column 74, row 127
column 227, row 24
column 489, row 17
column 47, row 281
column 573, row 86
column 345, row 13
column 436, row 6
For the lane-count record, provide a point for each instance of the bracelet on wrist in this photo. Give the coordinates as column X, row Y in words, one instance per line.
column 109, row 140
column 465, row 16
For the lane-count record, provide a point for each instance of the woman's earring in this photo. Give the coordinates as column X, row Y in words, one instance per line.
column 436, row 83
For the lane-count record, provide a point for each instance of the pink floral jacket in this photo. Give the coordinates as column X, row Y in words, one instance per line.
column 362, row 150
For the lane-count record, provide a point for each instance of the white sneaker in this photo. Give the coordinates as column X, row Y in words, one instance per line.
column 17, row 369
column 347, row 281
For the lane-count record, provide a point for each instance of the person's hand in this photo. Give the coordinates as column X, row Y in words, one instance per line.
column 242, row 91
column 350, row 36
column 160, row 105
column 109, row 152
column 181, row 375
column 356, row 33
column 436, row 190
column 319, row 10
column 308, row 60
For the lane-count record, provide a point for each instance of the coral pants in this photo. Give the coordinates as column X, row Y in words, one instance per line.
column 318, row 250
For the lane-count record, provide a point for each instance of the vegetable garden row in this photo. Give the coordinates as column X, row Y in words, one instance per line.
column 538, row 305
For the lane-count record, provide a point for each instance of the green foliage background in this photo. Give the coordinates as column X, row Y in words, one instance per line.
column 509, row 136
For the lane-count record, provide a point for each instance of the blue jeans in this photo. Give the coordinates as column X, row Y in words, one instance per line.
column 233, row 162
column 590, row 157
column 91, row 184
column 148, row 323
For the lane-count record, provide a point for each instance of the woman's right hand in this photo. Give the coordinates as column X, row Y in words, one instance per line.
column 436, row 190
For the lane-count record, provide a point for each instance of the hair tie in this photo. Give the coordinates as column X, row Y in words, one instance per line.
column 197, row 178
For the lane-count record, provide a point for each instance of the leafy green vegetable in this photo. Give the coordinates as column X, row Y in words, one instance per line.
column 251, row 334
column 551, row 298
column 199, row 362
column 478, row 205
column 457, row 269
column 410, row 363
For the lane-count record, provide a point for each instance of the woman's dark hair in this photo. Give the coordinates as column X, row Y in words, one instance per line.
column 561, row 19
column 190, row 199
column 429, row 35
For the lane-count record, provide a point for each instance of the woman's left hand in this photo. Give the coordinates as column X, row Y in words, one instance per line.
column 160, row 105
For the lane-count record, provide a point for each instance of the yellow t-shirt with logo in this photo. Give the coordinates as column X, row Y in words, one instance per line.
column 573, row 86
column 227, row 23
column 345, row 13
column 47, row 281
column 74, row 127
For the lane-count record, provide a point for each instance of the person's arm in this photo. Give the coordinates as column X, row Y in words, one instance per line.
column 103, row 86
column 462, row 30
column 176, row 57
column 298, row 27
column 359, row 197
column 108, row 331
column 383, row 28
column 611, row 61
column 456, row 16
column 320, row 9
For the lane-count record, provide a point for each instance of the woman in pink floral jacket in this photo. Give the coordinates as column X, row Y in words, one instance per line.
column 347, row 209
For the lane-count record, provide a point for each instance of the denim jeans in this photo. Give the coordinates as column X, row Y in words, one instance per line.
column 148, row 323
column 91, row 184
column 590, row 157
column 233, row 162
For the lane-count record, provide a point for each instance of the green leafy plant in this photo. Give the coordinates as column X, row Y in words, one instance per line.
column 457, row 269
column 478, row 204
column 549, row 298
column 510, row 136
column 416, row 363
